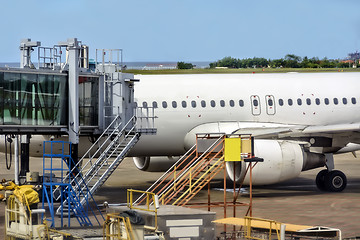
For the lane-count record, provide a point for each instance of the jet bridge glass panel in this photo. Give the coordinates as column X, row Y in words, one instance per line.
column 88, row 100
column 33, row 99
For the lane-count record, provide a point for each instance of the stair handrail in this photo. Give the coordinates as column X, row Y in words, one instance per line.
column 96, row 142
column 194, row 163
column 184, row 180
column 132, row 119
column 122, row 130
column 165, row 173
column 181, row 159
column 81, row 184
column 206, row 178
column 200, row 178
column 78, row 163
column 102, row 176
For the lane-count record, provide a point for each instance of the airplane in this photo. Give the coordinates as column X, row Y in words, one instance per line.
column 299, row 121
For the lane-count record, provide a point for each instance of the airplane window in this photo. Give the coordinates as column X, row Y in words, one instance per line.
column 183, row 104
column 317, row 101
column 145, row 105
column 270, row 102
column 344, row 101
column 308, row 101
column 174, row 104
column 164, row 104
column 193, row 104
column 203, row 103
column 212, row 103
column 326, row 100
column 256, row 102
column 299, row 101
column 154, row 104
column 336, row 101
column 222, row 103
column 290, row 102
column 353, row 100
column 231, row 102
column 281, row 102
column 241, row 103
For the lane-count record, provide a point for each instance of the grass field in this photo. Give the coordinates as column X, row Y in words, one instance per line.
column 241, row 70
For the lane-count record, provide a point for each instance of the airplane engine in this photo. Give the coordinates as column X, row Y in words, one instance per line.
column 283, row 160
column 154, row 164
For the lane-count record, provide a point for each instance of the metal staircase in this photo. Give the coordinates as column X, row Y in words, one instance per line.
column 58, row 163
column 198, row 167
column 104, row 156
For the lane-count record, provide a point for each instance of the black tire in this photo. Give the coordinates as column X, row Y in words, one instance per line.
column 320, row 180
column 335, row 181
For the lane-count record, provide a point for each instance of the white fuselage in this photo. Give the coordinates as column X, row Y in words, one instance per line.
column 317, row 99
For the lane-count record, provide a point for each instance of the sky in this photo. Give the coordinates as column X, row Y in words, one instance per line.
column 186, row 30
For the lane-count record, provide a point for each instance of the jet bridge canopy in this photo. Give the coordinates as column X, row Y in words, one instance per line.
column 68, row 97
column 35, row 101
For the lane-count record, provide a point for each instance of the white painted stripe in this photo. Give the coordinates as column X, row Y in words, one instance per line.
column 184, row 222
column 184, row 232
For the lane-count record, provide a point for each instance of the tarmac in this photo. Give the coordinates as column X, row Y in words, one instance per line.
column 297, row 201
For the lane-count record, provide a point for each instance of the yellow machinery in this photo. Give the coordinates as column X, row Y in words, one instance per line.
column 117, row 227
column 22, row 220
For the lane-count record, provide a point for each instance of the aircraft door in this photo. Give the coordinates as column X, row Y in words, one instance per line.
column 255, row 105
column 270, row 104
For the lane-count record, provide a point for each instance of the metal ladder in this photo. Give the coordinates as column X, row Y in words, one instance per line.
column 198, row 169
column 112, row 147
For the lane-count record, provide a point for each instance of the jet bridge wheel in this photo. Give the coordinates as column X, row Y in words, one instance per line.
column 333, row 181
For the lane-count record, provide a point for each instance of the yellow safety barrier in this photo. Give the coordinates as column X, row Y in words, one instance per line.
column 117, row 227
column 151, row 200
column 272, row 225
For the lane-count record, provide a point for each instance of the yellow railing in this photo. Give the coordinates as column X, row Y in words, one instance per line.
column 199, row 180
column 150, row 205
column 270, row 224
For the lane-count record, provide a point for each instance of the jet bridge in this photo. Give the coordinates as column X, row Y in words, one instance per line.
column 63, row 93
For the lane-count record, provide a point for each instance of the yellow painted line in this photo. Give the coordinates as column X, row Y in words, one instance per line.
column 261, row 224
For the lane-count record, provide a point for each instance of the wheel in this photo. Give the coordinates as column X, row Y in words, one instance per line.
column 320, row 180
column 335, row 181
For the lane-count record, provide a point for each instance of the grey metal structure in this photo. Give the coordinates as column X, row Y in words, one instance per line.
column 65, row 96
column 26, row 47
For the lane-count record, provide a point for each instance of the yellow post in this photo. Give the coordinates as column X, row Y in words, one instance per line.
column 175, row 178
column 190, row 179
column 232, row 149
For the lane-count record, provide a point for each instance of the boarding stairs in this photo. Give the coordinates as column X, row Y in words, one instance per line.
column 191, row 173
column 104, row 156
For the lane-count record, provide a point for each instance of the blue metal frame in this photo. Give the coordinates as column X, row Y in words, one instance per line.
column 66, row 190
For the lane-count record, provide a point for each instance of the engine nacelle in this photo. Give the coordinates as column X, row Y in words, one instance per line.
column 283, row 160
column 154, row 164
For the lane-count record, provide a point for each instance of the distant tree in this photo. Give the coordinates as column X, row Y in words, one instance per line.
column 326, row 63
column 228, row 62
column 212, row 65
column 292, row 61
column 183, row 65
column 276, row 63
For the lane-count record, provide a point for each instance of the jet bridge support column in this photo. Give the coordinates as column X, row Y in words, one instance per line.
column 24, row 160
column 73, row 48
